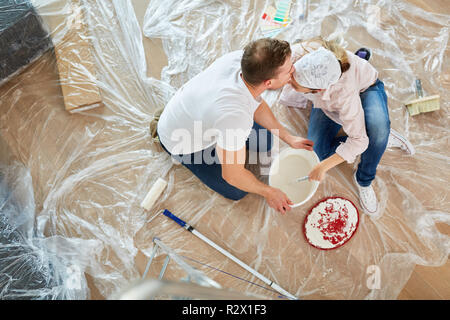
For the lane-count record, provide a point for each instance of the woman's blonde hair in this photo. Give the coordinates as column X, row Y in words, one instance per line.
column 338, row 51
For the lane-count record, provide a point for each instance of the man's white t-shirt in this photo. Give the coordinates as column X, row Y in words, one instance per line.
column 214, row 107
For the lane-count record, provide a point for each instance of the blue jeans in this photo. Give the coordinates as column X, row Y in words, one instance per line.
column 210, row 171
column 322, row 130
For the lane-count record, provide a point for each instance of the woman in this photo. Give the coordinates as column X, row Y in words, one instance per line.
column 346, row 93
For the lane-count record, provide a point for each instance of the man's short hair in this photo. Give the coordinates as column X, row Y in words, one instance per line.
column 262, row 58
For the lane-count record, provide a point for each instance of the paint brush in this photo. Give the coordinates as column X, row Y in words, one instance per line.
column 301, row 179
column 422, row 103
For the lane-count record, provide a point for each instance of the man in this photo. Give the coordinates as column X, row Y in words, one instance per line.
column 207, row 123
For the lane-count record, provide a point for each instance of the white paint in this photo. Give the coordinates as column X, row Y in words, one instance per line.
column 289, row 165
column 293, row 166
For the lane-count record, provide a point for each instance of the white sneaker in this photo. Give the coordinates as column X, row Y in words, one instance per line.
column 396, row 140
column 367, row 198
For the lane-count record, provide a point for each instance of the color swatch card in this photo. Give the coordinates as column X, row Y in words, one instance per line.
column 283, row 8
column 274, row 20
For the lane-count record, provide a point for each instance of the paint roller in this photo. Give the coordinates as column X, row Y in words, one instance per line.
column 191, row 229
column 150, row 200
column 154, row 193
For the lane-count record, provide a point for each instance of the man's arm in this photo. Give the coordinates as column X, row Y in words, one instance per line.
column 234, row 172
column 265, row 117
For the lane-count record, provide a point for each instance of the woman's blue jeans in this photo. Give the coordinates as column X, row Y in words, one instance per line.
column 206, row 165
column 322, row 130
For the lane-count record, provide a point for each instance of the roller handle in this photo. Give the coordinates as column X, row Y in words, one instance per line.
column 169, row 214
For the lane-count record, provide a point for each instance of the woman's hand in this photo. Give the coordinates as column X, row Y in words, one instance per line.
column 299, row 143
column 295, row 85
column 318, row 172
column 301, row 89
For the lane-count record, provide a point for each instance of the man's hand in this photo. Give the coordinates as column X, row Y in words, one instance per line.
column 278, row 200
column 234, row 172
column 299, row 143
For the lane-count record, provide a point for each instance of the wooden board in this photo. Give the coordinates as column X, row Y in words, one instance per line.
column 76, row 65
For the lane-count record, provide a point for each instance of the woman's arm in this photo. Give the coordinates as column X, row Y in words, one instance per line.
column 319, row 171
column 353, row 124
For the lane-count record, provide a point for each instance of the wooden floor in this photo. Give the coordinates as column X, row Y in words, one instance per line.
column 429, row 283
column 426, row 282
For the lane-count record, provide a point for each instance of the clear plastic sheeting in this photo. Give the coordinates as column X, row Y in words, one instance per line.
column 91, row 170
column 33, row 266
column 22, row 37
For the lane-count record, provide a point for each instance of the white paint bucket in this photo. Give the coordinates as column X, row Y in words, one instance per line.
column 289, row 165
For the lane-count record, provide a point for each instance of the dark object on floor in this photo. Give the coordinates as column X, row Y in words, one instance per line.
column 22, row 37
column 26, row 271
column 363, row 53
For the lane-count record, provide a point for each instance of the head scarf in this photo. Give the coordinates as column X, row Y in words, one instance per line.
column 318, row 69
